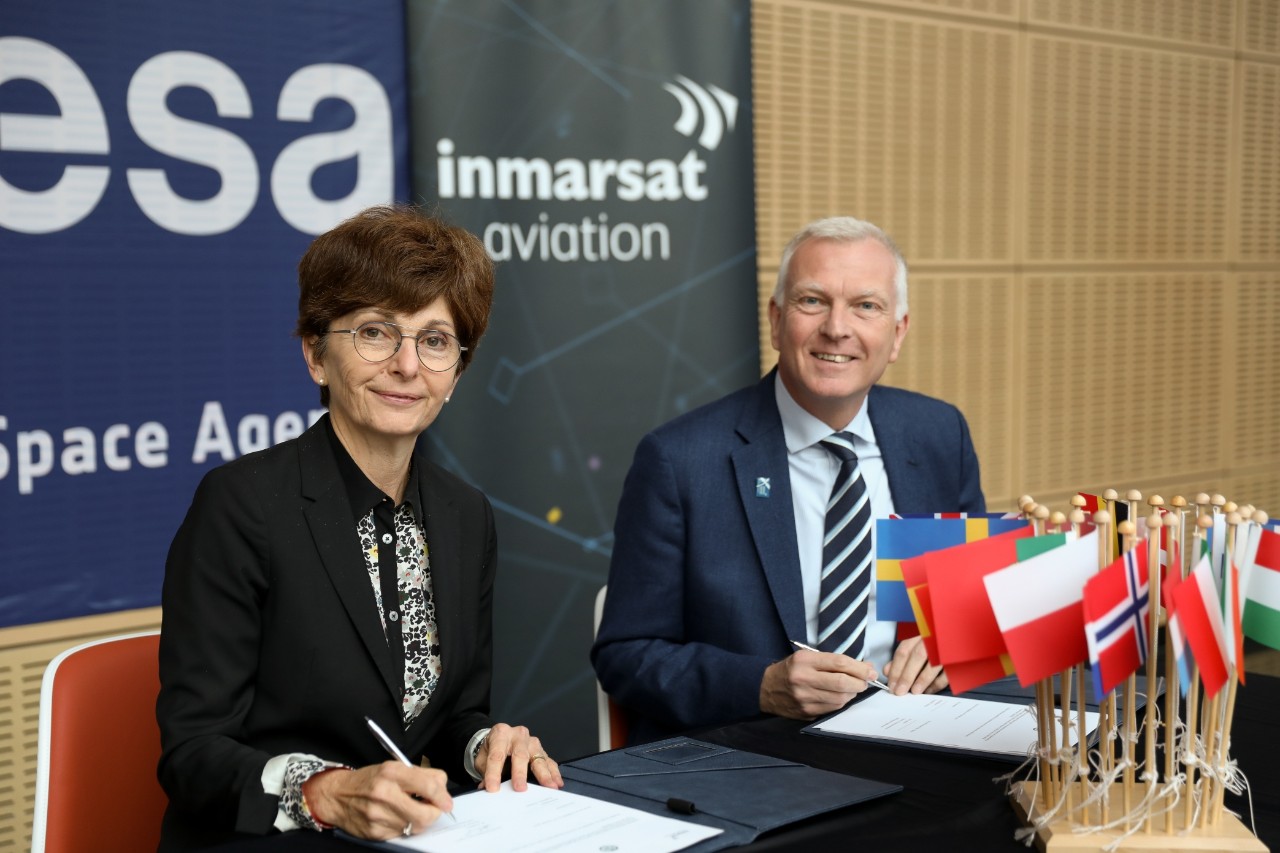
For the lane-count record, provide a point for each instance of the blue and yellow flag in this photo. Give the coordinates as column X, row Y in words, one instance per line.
column 902, row 537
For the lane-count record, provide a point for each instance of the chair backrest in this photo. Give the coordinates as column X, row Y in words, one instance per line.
column 99, row 742
column 611, row 720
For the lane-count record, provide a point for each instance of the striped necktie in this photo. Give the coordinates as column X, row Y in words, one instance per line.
column 846, row 555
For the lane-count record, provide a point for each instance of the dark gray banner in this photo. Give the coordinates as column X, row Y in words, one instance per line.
column 603, row 152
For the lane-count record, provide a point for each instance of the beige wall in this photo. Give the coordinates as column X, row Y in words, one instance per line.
column 1089, row 196
column 1088, row 193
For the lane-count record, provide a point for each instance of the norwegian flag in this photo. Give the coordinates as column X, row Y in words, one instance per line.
column 1117, row 603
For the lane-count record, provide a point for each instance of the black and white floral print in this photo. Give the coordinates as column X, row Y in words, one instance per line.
column 417, row 606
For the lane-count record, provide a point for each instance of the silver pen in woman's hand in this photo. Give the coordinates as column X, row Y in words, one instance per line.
column 394, row 751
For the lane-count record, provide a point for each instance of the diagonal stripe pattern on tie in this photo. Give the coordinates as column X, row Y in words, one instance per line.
column 843, row 609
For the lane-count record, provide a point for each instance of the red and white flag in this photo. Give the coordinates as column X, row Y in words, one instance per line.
column 1039, row 606
column 1200, row 615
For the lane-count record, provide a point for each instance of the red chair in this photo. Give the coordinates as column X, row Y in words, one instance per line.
column 96, row 785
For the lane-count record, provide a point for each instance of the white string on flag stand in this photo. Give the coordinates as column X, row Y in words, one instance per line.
column 1186, row 789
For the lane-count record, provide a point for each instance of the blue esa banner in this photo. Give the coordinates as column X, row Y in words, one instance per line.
column 163, row 165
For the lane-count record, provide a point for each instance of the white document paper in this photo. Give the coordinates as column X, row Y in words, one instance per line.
column 946, row 722
column 547, row 819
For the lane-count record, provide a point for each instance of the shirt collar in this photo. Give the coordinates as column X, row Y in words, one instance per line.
column 360, row 490
column 802, row 430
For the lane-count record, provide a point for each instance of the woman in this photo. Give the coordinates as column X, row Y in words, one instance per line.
column 341, row 575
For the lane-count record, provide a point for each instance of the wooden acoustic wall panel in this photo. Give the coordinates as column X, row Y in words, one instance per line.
column 1127, row 152
column 1259, row 182
column 25, row 652
column 1006, row 10
column 1261, row 30
column 21, row 671
column 961, row 347
column 1253, row 324
column 1116, row 388
column 768, row 355
column 902, row 121
column 1204, row 23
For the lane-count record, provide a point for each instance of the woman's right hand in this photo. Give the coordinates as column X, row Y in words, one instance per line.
column 378, row 802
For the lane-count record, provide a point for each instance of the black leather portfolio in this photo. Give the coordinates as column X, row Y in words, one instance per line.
column 742, row 793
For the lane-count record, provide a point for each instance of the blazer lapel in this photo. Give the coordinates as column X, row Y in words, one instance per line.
column 440, row 524
column 908, row 485
column 764, row 487
column 329, row 518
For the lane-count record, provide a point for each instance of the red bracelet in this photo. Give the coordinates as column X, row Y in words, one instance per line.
column 306, row 807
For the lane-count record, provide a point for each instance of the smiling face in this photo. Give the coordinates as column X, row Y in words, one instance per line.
column 835, row 331
column 381, row 407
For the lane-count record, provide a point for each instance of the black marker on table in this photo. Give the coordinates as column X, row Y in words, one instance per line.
column 394, row 751
column 681, row 806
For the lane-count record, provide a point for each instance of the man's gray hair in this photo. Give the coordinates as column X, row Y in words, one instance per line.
column 845, row 229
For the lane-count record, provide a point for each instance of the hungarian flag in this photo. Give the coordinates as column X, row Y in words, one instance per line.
column 1262, row 592
column 901, row 537
column 1117, row 607
column 1197, row 606
column 1038, row 605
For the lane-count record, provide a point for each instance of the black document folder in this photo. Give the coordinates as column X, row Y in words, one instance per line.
column 742, row 793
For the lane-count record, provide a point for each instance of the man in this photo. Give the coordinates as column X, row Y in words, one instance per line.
column 718, row 560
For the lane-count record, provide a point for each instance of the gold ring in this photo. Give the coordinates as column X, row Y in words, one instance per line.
column 541, row 756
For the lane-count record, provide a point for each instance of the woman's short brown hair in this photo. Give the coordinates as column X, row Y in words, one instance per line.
column 401, row 259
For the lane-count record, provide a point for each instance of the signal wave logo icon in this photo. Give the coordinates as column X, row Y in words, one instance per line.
column 718, row 109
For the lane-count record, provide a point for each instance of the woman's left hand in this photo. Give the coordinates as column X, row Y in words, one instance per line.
column 525, row 752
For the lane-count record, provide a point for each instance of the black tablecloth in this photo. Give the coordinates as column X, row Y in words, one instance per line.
column 948, row 802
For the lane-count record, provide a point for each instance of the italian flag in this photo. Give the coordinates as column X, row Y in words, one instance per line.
column 1262, row 595
column 1039, row 606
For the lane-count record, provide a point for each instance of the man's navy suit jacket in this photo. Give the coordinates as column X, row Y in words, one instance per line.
column 704, row 585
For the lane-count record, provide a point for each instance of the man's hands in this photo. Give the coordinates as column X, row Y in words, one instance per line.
column 809, row 684
column 910, row 672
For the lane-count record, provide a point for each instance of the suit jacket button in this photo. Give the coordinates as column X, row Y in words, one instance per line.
column 393, row 616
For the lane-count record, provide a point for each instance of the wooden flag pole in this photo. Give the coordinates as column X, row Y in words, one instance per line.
column 1044, row 694
column 1040, row 515
column 1150, row 769
column 1209, row 715
column 1233, row 681
column 1113, row 545
column 1202, row 504
column 1082, row 733
column 1172, row 523
column 1057, row 521
column 1209, row 728
column 1194, row 787
column 1126, row 529
column 1107, row 706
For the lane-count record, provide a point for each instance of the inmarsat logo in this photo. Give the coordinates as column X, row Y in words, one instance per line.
column 719, row 110
column 607, row 183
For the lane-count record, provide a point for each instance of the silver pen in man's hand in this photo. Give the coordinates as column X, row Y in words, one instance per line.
column 872, row 681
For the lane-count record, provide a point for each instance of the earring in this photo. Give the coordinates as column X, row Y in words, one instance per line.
column 322, row 381
column 446, row 399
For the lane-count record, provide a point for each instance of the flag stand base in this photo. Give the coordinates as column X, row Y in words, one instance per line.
column 1059, row 836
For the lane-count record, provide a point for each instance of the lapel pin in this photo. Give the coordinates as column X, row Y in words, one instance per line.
column 762, row 487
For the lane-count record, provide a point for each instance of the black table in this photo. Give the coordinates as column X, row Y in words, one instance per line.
column 948, row 802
